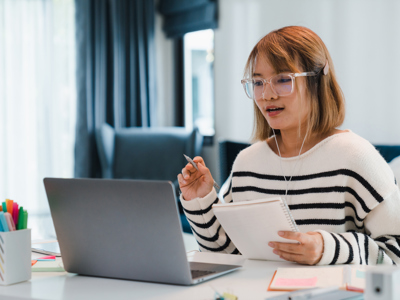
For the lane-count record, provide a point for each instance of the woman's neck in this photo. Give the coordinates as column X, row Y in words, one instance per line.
column 290, row 143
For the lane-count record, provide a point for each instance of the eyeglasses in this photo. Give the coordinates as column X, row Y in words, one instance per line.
column 281, row 84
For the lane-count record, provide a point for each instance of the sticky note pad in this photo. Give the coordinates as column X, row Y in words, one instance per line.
column 48, row 266
column 288, row 279
column 229, row 296
column 46, row 258
column 296, row 282
column 360, row 274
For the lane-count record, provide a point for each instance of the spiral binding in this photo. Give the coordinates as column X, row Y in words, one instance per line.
column 289, row 217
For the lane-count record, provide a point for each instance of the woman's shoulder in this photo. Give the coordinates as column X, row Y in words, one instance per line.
column 254, row 149
column 251, row 153
column 353, row 145
column 361, row 157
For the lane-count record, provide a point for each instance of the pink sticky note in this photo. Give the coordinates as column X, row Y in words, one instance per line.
column 49, row 257
column 290, row 282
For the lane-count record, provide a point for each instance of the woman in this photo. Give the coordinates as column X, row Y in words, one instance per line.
column 339, row 189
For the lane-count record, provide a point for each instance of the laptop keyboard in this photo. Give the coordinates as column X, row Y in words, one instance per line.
column 200, row 273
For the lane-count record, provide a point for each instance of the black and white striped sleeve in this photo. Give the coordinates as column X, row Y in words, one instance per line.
column 378, row 244
column 206, row 229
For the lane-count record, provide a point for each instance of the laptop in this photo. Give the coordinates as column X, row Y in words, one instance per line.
column 125, row 229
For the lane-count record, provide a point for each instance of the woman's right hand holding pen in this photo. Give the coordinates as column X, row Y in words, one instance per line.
column 195, row 183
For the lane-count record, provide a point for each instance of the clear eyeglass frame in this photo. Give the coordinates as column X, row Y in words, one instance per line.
column 248, row 84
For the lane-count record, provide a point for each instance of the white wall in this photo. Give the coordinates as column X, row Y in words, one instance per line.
column 165, row 78
column 363, row 37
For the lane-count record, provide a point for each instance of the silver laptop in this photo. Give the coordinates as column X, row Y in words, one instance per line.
column 127, row 229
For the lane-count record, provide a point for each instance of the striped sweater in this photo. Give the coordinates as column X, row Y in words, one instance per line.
column 341, row 188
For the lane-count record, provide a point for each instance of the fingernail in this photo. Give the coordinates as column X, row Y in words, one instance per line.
column 186, row 176
column 272, row 245
column 184, row 181
column 275, row 252
column 281, row 233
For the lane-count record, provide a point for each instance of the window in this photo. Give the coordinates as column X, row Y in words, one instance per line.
column 199, row 81
column 37, row 102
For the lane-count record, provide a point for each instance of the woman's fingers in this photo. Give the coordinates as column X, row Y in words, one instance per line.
column 195, row 181
column 309, row 251
column 287, row 247
column 199, row 159
column 188, row 170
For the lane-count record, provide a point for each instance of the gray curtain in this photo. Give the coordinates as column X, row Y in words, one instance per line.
column 115, row 72
column 183, row 16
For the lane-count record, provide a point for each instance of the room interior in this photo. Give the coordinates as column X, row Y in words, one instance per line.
column 122, row 89
column 144, row 86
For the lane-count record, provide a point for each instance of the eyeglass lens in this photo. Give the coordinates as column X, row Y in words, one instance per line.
column 281, row 84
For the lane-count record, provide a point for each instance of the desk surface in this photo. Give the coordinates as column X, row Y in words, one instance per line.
column 251, row 282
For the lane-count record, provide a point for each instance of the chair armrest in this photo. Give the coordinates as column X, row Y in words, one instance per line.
column 105, row 140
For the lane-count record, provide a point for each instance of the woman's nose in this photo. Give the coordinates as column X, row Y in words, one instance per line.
column 268, row 93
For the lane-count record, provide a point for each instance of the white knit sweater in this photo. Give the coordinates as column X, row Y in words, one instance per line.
column 342, row 188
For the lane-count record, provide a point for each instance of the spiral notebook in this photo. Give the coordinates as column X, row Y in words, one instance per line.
column 251, row 225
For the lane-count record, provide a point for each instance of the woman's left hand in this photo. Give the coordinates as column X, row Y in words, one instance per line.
column 308, row 252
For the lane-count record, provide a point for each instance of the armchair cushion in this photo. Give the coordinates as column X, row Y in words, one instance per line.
column 147, row 153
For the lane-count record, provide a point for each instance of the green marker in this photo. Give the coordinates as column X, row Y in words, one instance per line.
column 20, row 218
column 4, row 204
column 25, row 219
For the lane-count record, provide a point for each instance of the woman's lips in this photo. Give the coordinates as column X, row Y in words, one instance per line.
column 274, row 111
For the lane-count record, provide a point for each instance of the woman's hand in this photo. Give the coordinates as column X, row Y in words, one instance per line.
column 308, row 252
column 195, row 183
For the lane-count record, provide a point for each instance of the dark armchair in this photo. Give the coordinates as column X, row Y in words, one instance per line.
column 147, row 153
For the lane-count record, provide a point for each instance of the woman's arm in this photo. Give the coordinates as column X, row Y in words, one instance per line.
column 378, row 245
column 206, row 229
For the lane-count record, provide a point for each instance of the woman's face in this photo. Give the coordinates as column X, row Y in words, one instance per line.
column 285, row 113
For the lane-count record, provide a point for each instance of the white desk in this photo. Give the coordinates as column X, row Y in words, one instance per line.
column 249, row 283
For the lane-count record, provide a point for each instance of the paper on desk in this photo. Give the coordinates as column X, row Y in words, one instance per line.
column 48, row 266
column 356, row 281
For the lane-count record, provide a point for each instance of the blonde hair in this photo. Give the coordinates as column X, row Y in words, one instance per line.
column 290, row 48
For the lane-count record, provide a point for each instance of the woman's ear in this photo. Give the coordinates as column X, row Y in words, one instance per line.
column 326, row 68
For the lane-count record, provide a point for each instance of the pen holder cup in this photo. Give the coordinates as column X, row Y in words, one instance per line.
column 15, row 256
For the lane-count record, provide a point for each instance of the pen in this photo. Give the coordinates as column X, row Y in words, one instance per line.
column 195, row 166
column 309, row 294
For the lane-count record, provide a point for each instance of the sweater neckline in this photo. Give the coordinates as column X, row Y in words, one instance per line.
column 314, row 148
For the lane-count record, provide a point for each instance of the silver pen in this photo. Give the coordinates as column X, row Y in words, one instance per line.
column 195, row 166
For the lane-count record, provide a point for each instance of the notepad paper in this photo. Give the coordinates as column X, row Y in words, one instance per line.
column 251, row 225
